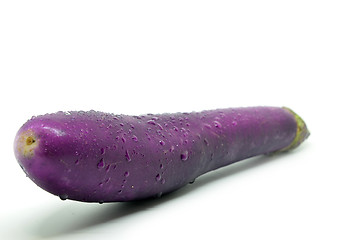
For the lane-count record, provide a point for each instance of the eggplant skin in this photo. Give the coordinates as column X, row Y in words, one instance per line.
column 93, row 156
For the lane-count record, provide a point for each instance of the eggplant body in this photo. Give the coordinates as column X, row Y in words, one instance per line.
column 99, row 157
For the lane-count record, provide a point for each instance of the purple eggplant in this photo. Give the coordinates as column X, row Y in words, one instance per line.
column 93, row 156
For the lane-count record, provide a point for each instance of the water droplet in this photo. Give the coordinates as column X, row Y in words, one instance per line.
column 234, row 123
column 76, row 162
column 184, row 155
column 134, row 138
column 63, row 196
column 208, row 126
column 108, row 167
column 152, row 122
column 100, row 184
column 123, row 139
column 175, row 129
column 158, row 177
column 132, row 126
column 217, row 124
column 191, row 182
column 162, row 143
column 120, row 191
column 126, row 174
column 172, row 148
column 163, row 181
column 128, row 157
column 101, row 202
column 121, row 124
column 77, row 153
column 154, row 118
column 103, row 151
column 101, row 163
column 206, row 142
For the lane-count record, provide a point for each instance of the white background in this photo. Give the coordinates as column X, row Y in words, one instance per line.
column 135, row 57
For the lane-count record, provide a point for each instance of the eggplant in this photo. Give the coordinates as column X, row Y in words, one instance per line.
column 92, row 156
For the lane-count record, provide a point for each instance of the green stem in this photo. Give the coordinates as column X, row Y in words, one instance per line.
column 301, row 134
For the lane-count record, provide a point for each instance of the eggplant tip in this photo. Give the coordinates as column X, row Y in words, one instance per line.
column 25, row 143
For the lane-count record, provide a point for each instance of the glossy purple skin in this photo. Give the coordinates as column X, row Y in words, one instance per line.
column 99, row 157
